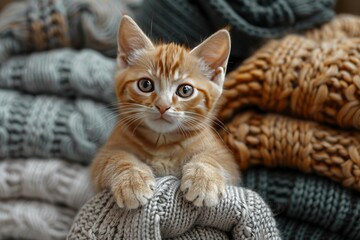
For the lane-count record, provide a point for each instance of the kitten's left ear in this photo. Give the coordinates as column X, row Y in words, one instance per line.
column 215, row 51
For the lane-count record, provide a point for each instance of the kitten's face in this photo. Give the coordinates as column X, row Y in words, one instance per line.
column 167, row 87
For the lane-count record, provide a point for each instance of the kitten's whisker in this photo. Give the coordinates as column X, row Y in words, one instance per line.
column 140, row 122
column 213, row 119
column 214, row 130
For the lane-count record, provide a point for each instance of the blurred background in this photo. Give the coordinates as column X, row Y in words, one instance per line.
column 342, row 6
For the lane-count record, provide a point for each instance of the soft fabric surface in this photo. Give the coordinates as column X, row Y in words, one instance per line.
column 64, row 72
column 37, row 25
column 318, row 80
column 48, row 126
column 342, row 26
column 39, row 198
column 59, row 104
column 251, row 21
column 242, row 214
column 307, row 206
column 275, row 140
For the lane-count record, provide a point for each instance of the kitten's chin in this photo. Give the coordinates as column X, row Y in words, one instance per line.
column 161, row 125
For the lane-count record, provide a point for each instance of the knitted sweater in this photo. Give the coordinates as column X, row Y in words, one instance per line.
column 312, row 206
column 60, row 112
column 64, row 72
column 251, row 21
column 39, row 198
column 242, row 214
column 38, row 25
column 302, row 204
column 48, row 126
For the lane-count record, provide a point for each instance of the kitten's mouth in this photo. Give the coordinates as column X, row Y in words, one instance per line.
column 163, row 119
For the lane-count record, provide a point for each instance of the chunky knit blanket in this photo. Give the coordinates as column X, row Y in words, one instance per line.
column 276, row 140
column 57, row 110
column 301, row 76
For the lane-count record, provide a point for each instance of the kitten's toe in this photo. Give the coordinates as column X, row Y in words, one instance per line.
column 202, row 186
column 133, row 189
column 212, row 197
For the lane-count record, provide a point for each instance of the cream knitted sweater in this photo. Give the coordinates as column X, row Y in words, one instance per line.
column 242, row 214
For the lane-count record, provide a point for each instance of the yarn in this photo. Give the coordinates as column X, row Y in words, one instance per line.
column 301, row 230
column 307, row 206
column 242, row 214
column 68, row 73
column 50, row 180
column 251, row 22
column 21, row 219
column 301, row 77
column 38, row 25
column 39, row 198
column 275, row 140
column 51, row 127
column 342, row 26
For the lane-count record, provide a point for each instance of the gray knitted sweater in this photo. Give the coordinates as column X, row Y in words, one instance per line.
column 242, row 214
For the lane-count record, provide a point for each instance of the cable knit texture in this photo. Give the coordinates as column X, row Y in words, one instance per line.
column 54, row 106
column 47, row 126
column 251, row 21
column 24, row 219
column 242, row 214
column 275, row 140
column 37, row 25
column 68, row 73
column 304, row 77
column 53, row 190
column 49, row 180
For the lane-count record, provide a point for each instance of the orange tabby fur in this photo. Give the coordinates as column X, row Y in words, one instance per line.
column 160, row 133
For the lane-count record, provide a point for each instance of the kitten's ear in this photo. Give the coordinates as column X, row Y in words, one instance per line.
column 130, row 39
column 215, row 51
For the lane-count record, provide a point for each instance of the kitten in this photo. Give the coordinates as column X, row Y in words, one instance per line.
column 167, row 96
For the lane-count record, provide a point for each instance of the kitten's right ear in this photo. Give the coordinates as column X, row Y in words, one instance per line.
column 130, row 39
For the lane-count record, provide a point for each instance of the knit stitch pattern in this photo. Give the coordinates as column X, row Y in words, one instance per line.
column 68, row 73
column 300, row 230
column 331, row 211
column 49, row 180
column 300, row 76
column 251, row 21
column 275, row 140
column 24, row 219
column 39, row 198
column 342, row 26
column 242, row 214
column 51, row 127
column 37, row 25
column 54, row 107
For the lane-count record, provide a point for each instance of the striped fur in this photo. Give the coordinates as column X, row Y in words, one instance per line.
column 161, row 132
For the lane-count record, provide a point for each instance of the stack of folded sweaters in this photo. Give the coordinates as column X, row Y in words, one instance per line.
column 56, row 96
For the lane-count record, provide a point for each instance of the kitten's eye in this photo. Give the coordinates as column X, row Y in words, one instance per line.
column 145, row 85
column 185, row 91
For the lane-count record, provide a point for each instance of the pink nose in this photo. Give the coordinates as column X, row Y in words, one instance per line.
column 162, row 109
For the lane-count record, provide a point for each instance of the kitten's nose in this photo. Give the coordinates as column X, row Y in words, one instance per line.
column 162, row 108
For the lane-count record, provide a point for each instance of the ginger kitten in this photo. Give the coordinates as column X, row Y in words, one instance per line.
column 167, row 95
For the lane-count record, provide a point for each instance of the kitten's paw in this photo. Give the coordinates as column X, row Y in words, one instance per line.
column 202, row 184
column 133, row 188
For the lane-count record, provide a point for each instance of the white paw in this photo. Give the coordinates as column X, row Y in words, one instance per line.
column 202, row 184
column 133, row 188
